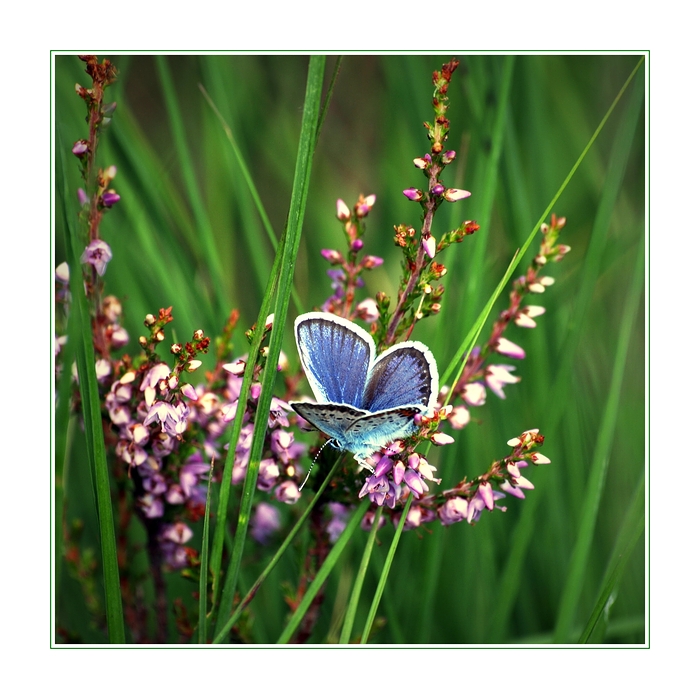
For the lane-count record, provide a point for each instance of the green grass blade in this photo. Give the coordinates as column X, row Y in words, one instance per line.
column 225, row 490
column 351, row 611
column 205, row 232
column 324, row 571
column 248, row 597
column 204, row 565
column 630, row 534
column 572, row 589
column 92, row 418
column 385, row 571
column 288, row 251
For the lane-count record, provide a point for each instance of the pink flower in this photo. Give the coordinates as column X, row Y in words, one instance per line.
column 97, row 254
column 497, row 376
column 525, row 317
column 454, row 510
column 456, row 194
column 509, row 349
column 428, row 243
column 342, row 211
column 368, row 310
column 474, row 394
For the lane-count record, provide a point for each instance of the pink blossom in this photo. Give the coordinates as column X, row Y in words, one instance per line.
column 456, row 194
column 97, row 254
column 428, row 243
column 509, row 349
column 454, row 510
column 497, row 376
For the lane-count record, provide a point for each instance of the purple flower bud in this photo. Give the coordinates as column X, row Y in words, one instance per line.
column 357, row 245
column 80, row 148
column 110, row 198
column 448, row 156
column 437, row 190
column 333, row 256
column 371, row 261
column 364, row 205
column 413, row 194
column 399, row 471
column 415, row 482
column 486, row 494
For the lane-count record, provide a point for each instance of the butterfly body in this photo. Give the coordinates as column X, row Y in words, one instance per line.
column 364, row 402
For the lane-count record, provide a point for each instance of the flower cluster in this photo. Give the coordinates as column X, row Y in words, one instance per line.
column 399, row 470
column 478, row 373
column 346, row 271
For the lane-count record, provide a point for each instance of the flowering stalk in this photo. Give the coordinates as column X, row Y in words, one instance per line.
column 347, row 271
column 476, row 373
column 420, row 272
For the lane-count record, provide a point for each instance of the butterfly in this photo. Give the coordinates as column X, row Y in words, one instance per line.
column 364, row 402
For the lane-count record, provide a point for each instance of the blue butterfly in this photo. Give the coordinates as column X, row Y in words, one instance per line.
column 363, row 402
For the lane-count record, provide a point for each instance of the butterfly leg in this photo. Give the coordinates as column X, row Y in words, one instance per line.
column 365, row 463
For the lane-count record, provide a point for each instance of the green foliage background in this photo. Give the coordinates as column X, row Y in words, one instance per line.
column 186, row 234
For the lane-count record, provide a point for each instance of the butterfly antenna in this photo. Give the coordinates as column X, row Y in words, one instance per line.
column 308, row 473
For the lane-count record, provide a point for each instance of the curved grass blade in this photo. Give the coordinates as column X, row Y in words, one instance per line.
column 323, row 573
column 359, row 580
column 630, row 533
column 92, row 417
column 204, row 565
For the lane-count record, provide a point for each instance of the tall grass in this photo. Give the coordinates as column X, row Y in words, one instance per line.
column 567, row 564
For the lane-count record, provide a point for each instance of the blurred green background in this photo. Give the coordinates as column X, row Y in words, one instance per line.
column 186, row 234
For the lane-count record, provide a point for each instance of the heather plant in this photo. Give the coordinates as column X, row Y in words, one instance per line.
column 222, row 515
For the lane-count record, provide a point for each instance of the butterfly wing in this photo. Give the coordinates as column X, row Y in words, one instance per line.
column 372, row 432
column 330, row 418
column 405, row 375
column 336, row 356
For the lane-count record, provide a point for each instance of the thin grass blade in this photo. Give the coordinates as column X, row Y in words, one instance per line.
column 573, row 586
column 323, row 573
column 92, row 418
column 351, row 611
